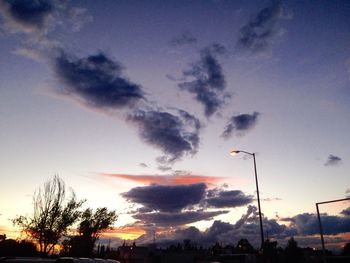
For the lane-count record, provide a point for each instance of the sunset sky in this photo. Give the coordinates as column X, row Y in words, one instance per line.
column 137, row 104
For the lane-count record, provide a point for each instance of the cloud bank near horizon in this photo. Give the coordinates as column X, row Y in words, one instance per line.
column 165, row 205
column 303, row 227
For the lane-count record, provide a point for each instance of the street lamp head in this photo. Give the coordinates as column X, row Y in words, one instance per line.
column 234, row 152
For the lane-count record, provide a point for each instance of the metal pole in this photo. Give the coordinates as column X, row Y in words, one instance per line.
column 257, row 193
column 320, row 223
column 321, row 232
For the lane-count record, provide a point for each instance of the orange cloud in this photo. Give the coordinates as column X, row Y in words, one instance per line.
column 167, row 179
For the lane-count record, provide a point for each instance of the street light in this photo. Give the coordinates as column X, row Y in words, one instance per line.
column 320, row 224
column 234, row 152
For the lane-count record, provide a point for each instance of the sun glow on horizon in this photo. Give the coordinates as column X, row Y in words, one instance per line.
column 125, row 233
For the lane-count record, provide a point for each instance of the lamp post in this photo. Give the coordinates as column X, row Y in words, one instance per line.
column 320, row 224
column 234, row 152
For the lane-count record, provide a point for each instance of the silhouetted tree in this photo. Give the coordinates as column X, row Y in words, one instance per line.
column 292, row 252
column 346, row 250
column 270, row 251
column 89, row 229
column 2, row 237
column 11, row 247
column 243, row 246
column 53, row 215
column 216, row 249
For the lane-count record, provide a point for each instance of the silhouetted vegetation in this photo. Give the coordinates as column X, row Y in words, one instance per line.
column 92, row 224
column 243, row 246
column 11, row 247
column 271, row 252
column 293, row 252
column 54, row 215
column 188, row 251
column 346, row 250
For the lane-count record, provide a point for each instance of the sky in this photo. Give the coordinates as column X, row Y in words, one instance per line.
column 136, row 105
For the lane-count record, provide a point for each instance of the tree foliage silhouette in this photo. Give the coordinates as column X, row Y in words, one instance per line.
column 92, row 224
column 244, row 246
column 292, row 252
column 52, row 216
column 346, row 250
column 11, row 247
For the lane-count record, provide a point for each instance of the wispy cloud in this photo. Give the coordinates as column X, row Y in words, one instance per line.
column 185, row 38
column 168, row 179
column 38, row 17
column 333, row 160
column 271, row 199
column 346, row 212
column 240, row 124
column 208, row 81
column 27, row 15
column 143, row 165
column 262, row 29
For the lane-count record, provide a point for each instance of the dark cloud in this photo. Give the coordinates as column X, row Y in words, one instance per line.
column 185, row 38
column 143, row 165
column 167, row 205
column 141, row 210
column 176, row 135
column 167, row 198
column 333, row 160
column 307, row 224
column 175, row 219
column 214, row 49
column 247, row 227
column 240, row 123
column 164, row 168
column 208, row 84
column 346, row 212
column 223, row 232
column 29, row 15
column 219, row 227
column 261, row 30
column 39, row 16
column 97, row 81
column 234, row 198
